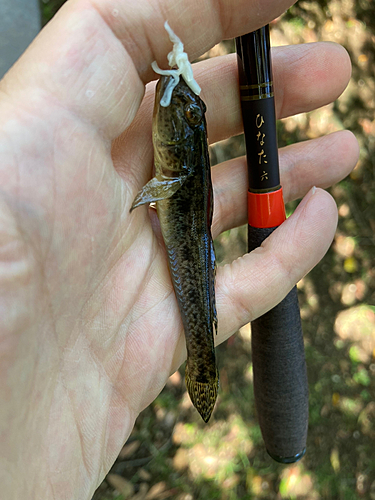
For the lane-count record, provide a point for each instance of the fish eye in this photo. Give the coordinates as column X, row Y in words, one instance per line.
column 193, row 114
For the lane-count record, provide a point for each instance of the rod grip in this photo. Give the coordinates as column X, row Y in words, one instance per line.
column 280, row 378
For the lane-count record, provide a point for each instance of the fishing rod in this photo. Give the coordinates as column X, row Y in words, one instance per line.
column 279, row 367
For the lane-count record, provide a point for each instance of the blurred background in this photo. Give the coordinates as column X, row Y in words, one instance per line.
column 171, row 453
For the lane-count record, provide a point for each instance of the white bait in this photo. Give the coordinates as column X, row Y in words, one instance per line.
column 177, row 57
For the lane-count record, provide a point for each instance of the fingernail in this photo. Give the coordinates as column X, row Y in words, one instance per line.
column 308, row 196
column 311, row 193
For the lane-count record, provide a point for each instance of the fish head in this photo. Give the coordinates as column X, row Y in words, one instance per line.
column 175, row 126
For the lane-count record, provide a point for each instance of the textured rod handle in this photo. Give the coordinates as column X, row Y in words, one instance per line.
column 280, row 378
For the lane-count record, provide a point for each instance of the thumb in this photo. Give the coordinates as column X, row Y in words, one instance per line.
column 258, row 281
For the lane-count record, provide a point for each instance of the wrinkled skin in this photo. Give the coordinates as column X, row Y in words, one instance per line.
column 89, row 324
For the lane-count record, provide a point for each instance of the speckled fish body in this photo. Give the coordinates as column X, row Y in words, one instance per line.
column 183, row 193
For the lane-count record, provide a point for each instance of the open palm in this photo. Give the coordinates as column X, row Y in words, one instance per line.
column 89, row 324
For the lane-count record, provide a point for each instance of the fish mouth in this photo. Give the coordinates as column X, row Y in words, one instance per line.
column 162, row 85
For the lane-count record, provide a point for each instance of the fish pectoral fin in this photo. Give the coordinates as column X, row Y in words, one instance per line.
column 156, row 190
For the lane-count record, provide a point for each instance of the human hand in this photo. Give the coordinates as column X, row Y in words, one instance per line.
column 89, row 325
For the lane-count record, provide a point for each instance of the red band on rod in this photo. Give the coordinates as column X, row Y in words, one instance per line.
column 266, row 209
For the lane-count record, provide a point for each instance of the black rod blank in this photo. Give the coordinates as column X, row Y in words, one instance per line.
column 280, row 378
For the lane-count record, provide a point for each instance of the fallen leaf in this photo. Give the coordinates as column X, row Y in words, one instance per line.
column 119, row 483
column 156, row 490
column 129, row 449
column 141, row 495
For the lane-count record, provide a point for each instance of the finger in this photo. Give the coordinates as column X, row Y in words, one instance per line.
column 306, row 77
column 318, row 162
column 322, row 70
column 76, row 65
column 94, row 57
column 140, row 25
column 253, row 284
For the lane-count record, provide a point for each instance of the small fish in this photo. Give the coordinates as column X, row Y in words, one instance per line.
column 182, row 191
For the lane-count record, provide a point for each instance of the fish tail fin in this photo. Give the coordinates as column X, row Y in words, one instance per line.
column 202, row 394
